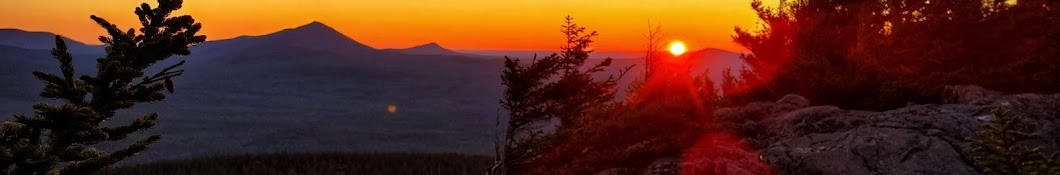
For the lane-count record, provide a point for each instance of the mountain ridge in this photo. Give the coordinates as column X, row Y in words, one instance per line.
column 40, row 40
column 319, row 36
column 431, row 48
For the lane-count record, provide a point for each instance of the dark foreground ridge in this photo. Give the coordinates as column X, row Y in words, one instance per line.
column 795, row 138
column 315, row 164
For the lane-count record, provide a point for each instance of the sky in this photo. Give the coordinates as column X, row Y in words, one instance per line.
column 454, row 24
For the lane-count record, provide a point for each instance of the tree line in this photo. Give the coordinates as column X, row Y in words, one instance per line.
column 868, row 55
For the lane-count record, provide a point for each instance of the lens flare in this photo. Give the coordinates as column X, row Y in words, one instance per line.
column 391, row 108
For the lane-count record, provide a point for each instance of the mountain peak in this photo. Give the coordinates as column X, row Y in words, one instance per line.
column 319, row 36
column 315, row 26
column 433, row 46
column 428, row 49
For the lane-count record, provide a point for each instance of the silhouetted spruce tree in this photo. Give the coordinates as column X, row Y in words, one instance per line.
column 556, row 87
column 58, row 138
column 996, row 150
column 653, row 51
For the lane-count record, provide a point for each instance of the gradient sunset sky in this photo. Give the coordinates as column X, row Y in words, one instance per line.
column 461, row 25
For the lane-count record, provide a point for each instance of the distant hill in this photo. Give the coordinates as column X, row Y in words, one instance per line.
column 715, row 61
column 429, row 49
column 42, row 41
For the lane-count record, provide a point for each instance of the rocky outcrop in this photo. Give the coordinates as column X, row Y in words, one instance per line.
column 929, row 139
column 791, row 137
column 921, row 139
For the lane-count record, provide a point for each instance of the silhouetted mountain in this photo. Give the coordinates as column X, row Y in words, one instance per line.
column 42, row 41
column 713, row 62
column 428, row 49
column 315, row 36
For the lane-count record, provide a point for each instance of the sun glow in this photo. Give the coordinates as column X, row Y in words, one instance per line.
column 677, row 48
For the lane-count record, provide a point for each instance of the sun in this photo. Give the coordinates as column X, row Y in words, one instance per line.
column 677, row 48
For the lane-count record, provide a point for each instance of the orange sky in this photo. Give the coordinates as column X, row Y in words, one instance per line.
column 462, row 24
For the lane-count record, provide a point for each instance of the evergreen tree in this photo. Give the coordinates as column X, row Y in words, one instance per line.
column 880, row 55
column 59, row 138
column 653, row 51
column 555, row 87
column 997, row 152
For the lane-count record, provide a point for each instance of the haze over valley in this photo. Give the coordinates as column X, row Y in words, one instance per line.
column 310, row 89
